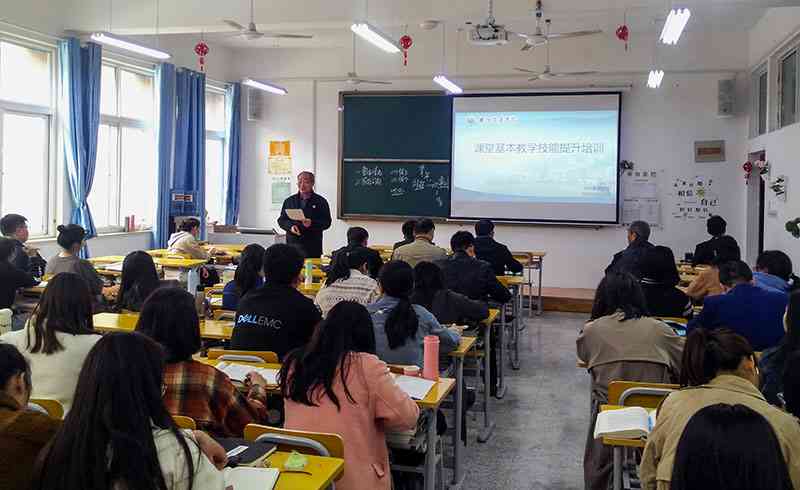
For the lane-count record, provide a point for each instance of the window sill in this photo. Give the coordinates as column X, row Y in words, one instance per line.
column 100, row 235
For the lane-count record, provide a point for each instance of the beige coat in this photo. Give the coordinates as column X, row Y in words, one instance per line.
column 184, row 243
column 705, row 284
column 420, row 250
column 679, row 407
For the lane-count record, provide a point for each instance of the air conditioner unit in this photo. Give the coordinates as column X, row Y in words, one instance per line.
column 255, row 104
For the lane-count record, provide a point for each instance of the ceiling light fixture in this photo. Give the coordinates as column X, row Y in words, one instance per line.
column 674, row 25
column 445, row 83
column 107, row 39
column 370, row 33
column 266, row 87
column 655, row 78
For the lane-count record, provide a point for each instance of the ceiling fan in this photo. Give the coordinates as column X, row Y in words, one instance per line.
column 352, row 76
column 251, row 33
column 540, row 37
column 548, row 74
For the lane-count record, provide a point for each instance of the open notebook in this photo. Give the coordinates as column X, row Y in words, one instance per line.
column 243, row 478
column 625, row 423
column 238, row 372
column 416, row 388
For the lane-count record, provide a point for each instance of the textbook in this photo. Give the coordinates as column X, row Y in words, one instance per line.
column 625, row 423
column 245, row 453
column 251, row 478
column 238, row 372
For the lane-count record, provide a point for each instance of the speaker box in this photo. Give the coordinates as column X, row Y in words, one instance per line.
column 255, row 104
column 726, row 98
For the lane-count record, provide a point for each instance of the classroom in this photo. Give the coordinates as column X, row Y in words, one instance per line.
column 364, row 244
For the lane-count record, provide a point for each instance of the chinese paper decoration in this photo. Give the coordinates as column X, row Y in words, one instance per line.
column 623, row 33
column 763, row 169
column 405, row 43
column 748, row 169
column 201, row 49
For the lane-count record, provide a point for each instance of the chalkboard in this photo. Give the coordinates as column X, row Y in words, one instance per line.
column 396, row 189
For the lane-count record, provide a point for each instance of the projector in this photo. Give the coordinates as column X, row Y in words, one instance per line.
column 488, row 35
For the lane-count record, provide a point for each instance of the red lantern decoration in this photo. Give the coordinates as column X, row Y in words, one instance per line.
column 405, row 43
column 622, row 34
column 748, row 169
column 201, row 49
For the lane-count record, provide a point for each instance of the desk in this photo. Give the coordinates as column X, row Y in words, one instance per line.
column 126, row 322
column 618, row 446
column 324, row 470
column 532, row 261
column 488, row 423
column 458, row 355
column 514, row 283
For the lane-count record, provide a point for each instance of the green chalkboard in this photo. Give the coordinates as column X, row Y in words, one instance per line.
column 395, row 189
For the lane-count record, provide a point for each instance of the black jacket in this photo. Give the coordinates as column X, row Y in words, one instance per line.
column 317, row 210
column 497, row 254
column 666, row 301
column 374, row 262
column 11, row 279
column 404, row 241
column 630, row 259
column 706, row 252
column 473, row 278
column 31, row 265
column 274, row 318
column 450, row 307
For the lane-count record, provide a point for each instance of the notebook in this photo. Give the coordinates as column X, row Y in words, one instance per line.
column 415, row 387
column 238, row 372
column 625, row 423
column 242, row 452
column 117, row 266
column 243, row 478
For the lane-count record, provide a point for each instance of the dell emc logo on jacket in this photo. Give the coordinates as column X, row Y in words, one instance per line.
column 260, row 320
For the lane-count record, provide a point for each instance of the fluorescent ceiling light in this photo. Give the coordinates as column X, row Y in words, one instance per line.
column 105, row 38
column 267, row 87
column 447, row 84
column 655, row 78
column 674, row 25
column 370, row 33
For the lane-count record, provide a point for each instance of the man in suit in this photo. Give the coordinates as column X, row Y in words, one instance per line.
column 706, row 252
column 422, row 249
column 497, row 254
column 629, row 260
column 357, row 237
column 408, row 234
column 306, row 234
column 754, row 313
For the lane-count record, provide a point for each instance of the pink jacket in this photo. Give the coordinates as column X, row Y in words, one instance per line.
column 380, row 406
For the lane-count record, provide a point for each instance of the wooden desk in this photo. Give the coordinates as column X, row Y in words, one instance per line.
column 311, row 290
column 618, row 446
column 126, row 322
column 532, row 261
column 324, row 470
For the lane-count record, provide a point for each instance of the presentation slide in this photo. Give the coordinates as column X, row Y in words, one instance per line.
column 536, row 157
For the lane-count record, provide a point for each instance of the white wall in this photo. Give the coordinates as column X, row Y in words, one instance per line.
column 774, row 27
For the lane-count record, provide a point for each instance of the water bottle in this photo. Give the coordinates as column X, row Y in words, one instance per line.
column 309, row 273
column 430, row 368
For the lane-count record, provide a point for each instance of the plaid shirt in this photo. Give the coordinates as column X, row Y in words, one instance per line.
column 208, row 396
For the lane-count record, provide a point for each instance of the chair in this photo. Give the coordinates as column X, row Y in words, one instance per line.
column 244, row 356
column 53, row 407
column 319, row 443
column 184, row 422
column 635, row 394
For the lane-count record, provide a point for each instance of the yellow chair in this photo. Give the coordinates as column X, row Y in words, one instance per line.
column 53, row 407
column 635, row 394
column 288, row 440
column 184, row 422
column 244, row 356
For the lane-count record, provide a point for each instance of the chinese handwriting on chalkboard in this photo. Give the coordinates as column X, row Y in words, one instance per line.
column 370, row 177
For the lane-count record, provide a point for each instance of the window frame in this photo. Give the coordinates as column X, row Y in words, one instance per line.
column 794, row 49
column 755, row 99
column 219, row 136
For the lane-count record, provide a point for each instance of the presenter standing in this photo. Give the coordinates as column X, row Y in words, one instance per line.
column 304, row 216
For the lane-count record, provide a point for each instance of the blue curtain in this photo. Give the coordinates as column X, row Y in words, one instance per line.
column 79, row 105
column 233, row 131
column 190, row 138
column 165, row 81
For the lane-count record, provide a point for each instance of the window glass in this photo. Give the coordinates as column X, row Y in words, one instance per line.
column 138, row 185
column 789, row 89
column 25, row 185
column 25, row 74
column 108, row 90
column 762, row 103
column 215, row 111
column 214, row 179
column 102, row 202
column 136, row 95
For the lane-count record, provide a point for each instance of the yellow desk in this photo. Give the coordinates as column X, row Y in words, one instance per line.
column 532, row 261
column 311, row 290
column 618, row 446
column 126, row 322
column 324, row 470
column 106, row 259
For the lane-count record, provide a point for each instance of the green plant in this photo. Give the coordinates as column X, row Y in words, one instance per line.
column 793, row 227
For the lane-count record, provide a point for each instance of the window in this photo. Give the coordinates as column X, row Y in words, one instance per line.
column 124, row 182
column 763, row 88
column 788, row 89
column 26, row 128
column 215, row 154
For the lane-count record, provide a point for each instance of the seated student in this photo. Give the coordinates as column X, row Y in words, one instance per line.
column 70, row 239
column 194, row 389
column 408, row 234
column 447, row 306
column 629, row 260
column 120, row 435
column 707, row 252
column 707, row 282
column 754, row 313
column 773, row 360
column 276, row 317
column 718, row 366
column 774, row 272
column 249, row 276
column 422, row 248
column 15, row 227
column 348, row 281
column 465, row 274
column 359, row 237
column 23, row 432
column 184, row 241
column 621, row 342
column 659, row 278
column 400, row 326
column 497, row 254
column 336, row 384
column 139, row 280
column 57, row 338
column 726, row 447
column 791, row 384
column 12, row 278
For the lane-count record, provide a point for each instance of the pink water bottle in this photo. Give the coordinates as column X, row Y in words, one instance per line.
column 430, row 368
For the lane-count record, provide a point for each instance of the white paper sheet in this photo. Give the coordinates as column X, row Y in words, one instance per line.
column 295, row 214
column 416, row 388
column 238, row 372
column 242, row 478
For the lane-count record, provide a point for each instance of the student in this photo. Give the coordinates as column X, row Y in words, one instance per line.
column 791, row 384
column 120, row 435
column 71, row 238
column 497, row 254
column 629, row 260
column 707, row 282
column 754, row 313
column 774, row 272
column 621, row 342
column 184, row 241
column 276, row 317
column 408, row 234
column 336, row 384
column 359, row 237
column 15, row 227
column 11, row 277
column 348, row 281
column 139, row 280
column 707, row 253
column 58, row 338
column 249, row 276
column 728, row 447
column 195, row 389
column 465, row 274
column 718, row 366
column 773, row 360
column 400, row 326
column 422, row 248
column 447, row 306
column 23, row 433
column 659, row 280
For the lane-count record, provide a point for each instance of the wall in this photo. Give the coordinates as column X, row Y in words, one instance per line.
column 114, row 244
column 774, row 27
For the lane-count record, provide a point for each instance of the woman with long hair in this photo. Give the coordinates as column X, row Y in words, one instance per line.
column 336, row 384
column 348, row 280
column 139, row 280
column 718, row 366
column 58, row 337
column 401, row 326
column 249, row 275
column 773, row 359
column 446, row 305
column 120, row 435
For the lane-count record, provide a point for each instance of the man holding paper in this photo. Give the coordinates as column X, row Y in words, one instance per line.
column 304, row 216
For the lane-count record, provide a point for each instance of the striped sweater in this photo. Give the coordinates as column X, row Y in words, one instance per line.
column 358, row 287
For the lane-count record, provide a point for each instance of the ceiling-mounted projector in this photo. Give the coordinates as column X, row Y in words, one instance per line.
column 488, row 35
